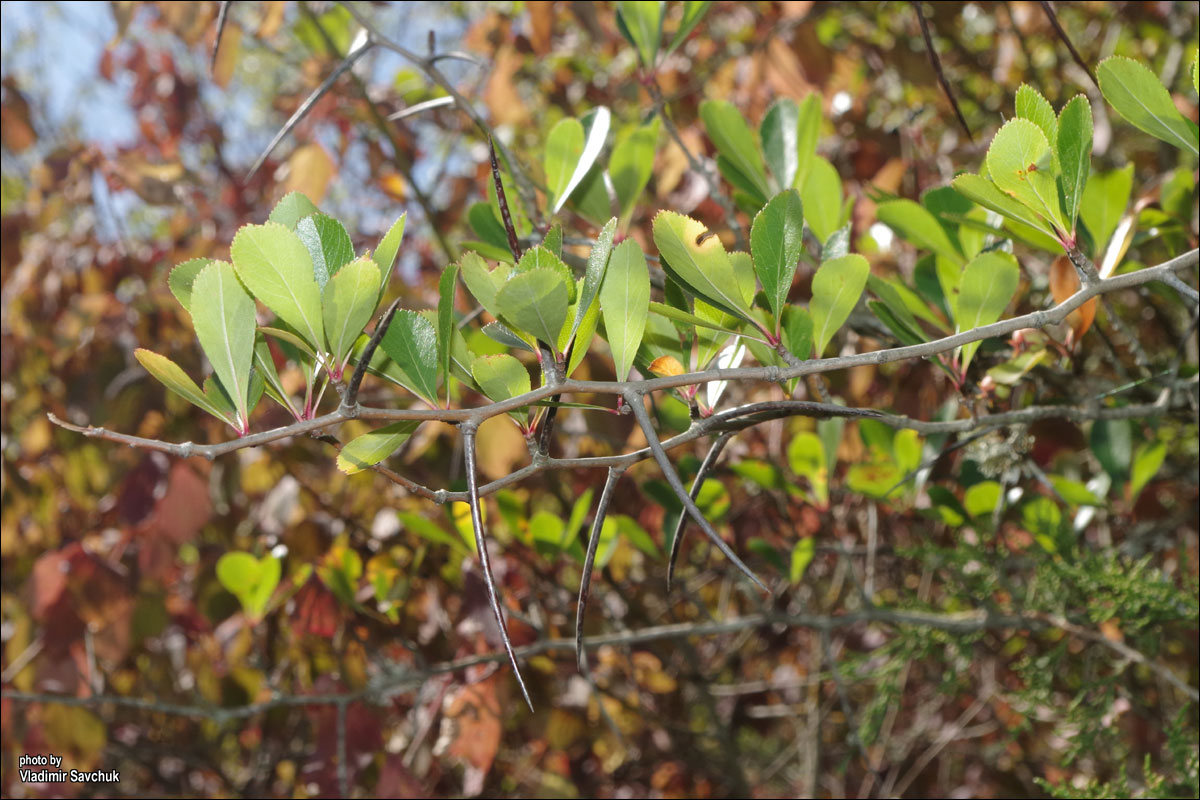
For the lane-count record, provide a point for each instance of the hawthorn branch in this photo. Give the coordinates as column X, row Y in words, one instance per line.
column 710, row 460
column 585, row 582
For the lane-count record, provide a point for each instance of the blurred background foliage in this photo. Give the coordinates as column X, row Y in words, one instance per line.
column 124, row 155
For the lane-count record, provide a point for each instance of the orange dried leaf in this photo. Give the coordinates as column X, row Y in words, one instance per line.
column 666, row 367
column 1064, row 282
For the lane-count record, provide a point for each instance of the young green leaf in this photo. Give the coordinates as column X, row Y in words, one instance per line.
column 498, row 332
column 698, row 261
column 1074, row 153
column 640, row 21
column 411, row 342
column 169, row 374
column 631, row 164
column 445, row 323
column 251, row 580
column 328, row 244
column 693, row 12
column 808, row 129
column 779, row 133
column 797, row 333
column 1105, row 198
column 919, row 227
column 1112, row 442
column 728, row 131
column 1031, row 105
column 1020, row 162
column 347, row 305
column 1146, row 463
column 482, row 218
column 538, row 257
column 624, row 301
column 482, row 283
column 1139, row 96
column 985, row 193
column 806, row 458
column 385, row 255
column 535, row 302
column 988, row 284
column 582, row 338
column 836, row 287
column 292, row 208
column 224, row 322
column 776, row 243
column 564, row 146
column 802, row 556
column 275, row 266
column 822, row 196
column 364, row 452
column 500, row 376
column 593, row 275
column 182, row 277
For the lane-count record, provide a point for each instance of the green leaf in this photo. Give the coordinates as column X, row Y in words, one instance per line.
column 275, row 266
column 808, row 129
column 411, row 342
column 637, row 536
column 500, row 376
column 697, row 262
column 364, row 452
column 169, row 374
column 535, row 302
column 482, row 218
column 583, row 336
column 728, row 131
column 1031, row 105
column 693, row 12
column 251, row 580
column 779, row 133
column 906, row 450
column 1020, row 162
column 538, row 257
column 889, row 292
column 224, row 323
column 919, row 227
column 385, row 255
column 672, row 313
column 988, row 284
column 806, row 458
column 593, row 274
column 328, row 244
column 497, row 332
column 292, row 208
column 836, row 287
column 1074, row 153
column 1074, row 492
column 776, row 243
column 264, row 365
column 982, row 498
column 1139, row 96
column 431, row 531
column 1043, row 518
column 1147, row 460
column 482, row 283
column 564, row 149
column 632, row 163
column 640, row 21
column 1112, row 442
column 1105, row 198
column 624, row 301
column 182, row 277
column 299, row 345
column 445, row 323
column 876, row 480
column 797, row 331
column 822, row 196
column 802, row 556
column 347, row 305
column 986, row 194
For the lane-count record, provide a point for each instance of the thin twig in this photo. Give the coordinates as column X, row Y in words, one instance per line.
column 222, row 18
column 350, row 399
column 1062, row 34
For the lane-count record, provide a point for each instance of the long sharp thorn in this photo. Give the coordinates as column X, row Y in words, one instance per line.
column 222, row 18
column 705, row 467
column 585, row 583
column 364, row 359
column 936, row 61
column 307, row 105
column 514, row 244
column 664, row 463
column 1062, row 34
column 468, row 434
